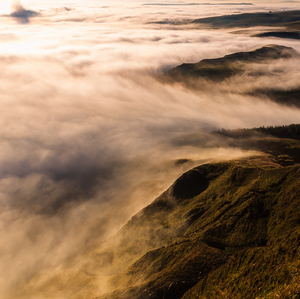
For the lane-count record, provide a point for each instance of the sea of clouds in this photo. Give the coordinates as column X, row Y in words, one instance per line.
column 89, row 135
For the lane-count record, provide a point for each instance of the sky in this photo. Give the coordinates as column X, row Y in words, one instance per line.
column 5, row 5
column 89, row 134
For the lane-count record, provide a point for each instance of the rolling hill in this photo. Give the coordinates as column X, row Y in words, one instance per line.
column 218, row 70
column 222, row 230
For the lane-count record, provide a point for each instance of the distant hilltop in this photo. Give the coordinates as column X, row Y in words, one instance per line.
column 186, row 4
column 288, row 19
column 216, row 70
column 279, row 18
column 224, row 67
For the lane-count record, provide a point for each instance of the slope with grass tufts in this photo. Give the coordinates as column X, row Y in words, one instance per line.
column 222, row 230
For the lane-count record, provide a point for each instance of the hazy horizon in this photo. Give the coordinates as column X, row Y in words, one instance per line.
column 6, row 6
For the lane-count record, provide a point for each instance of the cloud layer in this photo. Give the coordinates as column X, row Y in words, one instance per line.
column 89, row 135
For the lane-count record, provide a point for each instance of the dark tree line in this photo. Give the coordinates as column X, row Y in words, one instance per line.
column 289, row 131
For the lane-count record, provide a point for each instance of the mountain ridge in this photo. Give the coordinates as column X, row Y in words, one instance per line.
column 218, row 69
column 200, row 75
column 222, row 230
column 221, row 227
column 276, row 18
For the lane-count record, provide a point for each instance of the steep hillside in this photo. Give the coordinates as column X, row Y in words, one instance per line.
column 222, row 230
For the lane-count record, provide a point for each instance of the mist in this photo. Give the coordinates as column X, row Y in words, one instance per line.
column 90, row 135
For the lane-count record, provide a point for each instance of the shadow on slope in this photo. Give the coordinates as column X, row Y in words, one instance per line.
column 237, row 235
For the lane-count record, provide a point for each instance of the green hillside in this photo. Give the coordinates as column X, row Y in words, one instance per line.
column 222, row 230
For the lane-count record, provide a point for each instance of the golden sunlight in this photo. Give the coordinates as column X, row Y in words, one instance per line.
column 5, row 6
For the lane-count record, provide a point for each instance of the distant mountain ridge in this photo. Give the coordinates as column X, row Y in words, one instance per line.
column 218, row 70
column 280, row 34
column 197, row 4
column 229, row 65
column 276, row 18
column 285, row 19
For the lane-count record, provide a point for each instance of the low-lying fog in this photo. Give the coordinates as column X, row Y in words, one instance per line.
column 88, row 134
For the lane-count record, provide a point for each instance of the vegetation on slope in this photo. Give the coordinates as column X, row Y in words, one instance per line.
column 290, row 132
column 284, row 151
column 224, row 230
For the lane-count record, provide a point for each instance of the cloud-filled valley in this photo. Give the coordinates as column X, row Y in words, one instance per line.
column 90, row 134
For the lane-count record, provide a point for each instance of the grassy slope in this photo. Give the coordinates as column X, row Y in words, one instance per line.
column 230, row 230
